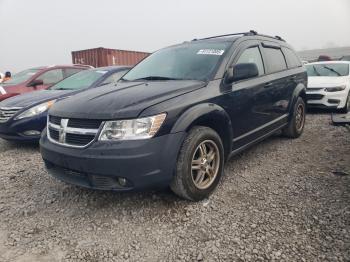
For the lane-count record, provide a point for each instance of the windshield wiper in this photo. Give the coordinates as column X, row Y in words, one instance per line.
column 157, row 78
column 61, row 88
column 332, row 70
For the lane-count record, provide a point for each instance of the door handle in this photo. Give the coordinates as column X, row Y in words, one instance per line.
column 267, row 85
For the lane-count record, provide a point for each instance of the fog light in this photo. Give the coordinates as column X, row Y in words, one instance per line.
column 333, row 101
column 32, row 133
column 122, row 181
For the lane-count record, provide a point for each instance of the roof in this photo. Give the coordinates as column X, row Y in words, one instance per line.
column 234, row 36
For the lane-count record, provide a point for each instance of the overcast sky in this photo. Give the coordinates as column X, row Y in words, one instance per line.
column 44, row 32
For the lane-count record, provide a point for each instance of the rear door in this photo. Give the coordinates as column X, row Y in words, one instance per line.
column 278, row 88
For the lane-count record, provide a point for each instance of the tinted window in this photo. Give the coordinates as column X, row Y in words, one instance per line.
column 291, row 58
column 71, row 71
column 21, row 77
column 194, row 60
column 275, row 60
column 252, row 55
column 327, row 69
column 52, row 76
column 114, row 77
column 81, row 80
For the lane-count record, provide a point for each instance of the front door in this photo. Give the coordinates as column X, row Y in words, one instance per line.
column 249, row 99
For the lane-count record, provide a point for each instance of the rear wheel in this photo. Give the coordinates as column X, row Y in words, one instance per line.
column 296, row 124
column 199, row 165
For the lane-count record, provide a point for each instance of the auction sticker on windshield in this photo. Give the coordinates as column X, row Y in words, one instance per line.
column 210, row 52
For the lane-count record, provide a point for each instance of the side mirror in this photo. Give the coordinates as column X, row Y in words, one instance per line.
column 36, row 82
column 241, row 71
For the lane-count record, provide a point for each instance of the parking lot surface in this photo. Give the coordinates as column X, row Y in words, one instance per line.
column 280, row 200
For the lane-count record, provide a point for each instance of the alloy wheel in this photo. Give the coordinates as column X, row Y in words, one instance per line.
column 205, row 164
column 300, row 117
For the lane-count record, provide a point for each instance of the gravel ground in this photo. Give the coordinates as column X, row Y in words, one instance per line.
column 280, row 200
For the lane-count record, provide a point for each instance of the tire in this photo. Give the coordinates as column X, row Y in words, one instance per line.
column 197, row 174
column 296, row 124
column 346, row 108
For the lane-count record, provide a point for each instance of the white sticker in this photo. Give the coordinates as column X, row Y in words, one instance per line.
column 210, row 52
column 101, row 72
column 2, row 90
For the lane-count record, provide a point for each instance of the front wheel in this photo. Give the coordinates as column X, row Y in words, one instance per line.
column 200, row 164
column 346, row 108
column 296, row 124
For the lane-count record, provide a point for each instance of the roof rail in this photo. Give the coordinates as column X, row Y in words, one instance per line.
column 251, row 32
column 88, row 66
column 218, row 36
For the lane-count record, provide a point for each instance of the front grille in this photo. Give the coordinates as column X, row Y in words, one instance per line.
column 72, row 132
column 84, row 123
column 311, row 89
column 55, row 120
column 54, row 134
column 314, row 96
column 79, row 140
column 7, row 112
column 85, row 179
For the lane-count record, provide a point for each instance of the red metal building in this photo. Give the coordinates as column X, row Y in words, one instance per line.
column 98, row 57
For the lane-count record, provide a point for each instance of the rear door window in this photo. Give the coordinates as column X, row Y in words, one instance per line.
column 291, row 58
column 252, row 55
column 51, row 77
column 275, row 60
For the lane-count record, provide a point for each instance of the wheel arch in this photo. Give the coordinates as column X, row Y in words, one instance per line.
column 209, row 115
column 299, row 91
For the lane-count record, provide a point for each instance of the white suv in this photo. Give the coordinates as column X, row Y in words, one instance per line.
column 329, row 85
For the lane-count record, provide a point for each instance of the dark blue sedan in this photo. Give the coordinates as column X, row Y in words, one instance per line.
column 23, row 117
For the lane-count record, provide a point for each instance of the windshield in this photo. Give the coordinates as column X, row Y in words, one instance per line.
column 327, row 69
column 21, row 77
column 81, row 80
column 192, row 61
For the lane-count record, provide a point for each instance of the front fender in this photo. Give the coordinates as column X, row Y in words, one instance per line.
column 210, row 115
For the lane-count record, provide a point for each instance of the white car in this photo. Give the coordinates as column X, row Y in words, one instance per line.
column 329, row 85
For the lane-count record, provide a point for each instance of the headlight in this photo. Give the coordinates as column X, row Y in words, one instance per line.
column 335, row 88
column 36, row 110
column 134, row 129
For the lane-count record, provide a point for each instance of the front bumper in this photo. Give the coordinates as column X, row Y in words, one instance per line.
column 148, row 163
column 321, row 98
column 14, row 129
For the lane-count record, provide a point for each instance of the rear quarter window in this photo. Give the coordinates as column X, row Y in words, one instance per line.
column 291, row 58
column 275, row 61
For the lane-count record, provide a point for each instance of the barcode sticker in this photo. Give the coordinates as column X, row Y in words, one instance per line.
column 210, row 52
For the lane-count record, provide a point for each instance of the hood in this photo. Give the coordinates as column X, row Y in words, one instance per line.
column 326, row 81
column 122, row 100
column 33, row 98
column 7, row 87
